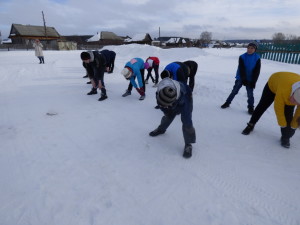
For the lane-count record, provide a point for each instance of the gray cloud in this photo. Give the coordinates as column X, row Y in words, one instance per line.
column 245, row 19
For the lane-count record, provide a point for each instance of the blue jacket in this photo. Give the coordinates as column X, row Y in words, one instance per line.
column 136, row 64
column 249, row 67
column 178, row 71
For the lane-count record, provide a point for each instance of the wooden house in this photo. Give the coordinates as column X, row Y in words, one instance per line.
column 24, row 34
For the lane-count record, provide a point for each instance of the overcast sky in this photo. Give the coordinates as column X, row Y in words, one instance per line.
column 225, row 19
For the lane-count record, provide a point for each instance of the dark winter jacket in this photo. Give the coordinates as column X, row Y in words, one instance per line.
column 109, row 56
column 248, row 68
column 96, row 66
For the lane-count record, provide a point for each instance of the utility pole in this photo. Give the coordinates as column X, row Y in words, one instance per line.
column 44, row 24
column 159, row 36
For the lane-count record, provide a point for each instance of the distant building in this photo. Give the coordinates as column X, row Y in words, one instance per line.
column 106, row 38
column 23, row 34
column 139, row 39
column 175, row 41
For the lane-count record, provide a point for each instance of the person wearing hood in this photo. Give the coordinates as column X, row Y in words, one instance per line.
column 135, row 69
column 95, row 65
column 282, row 88
column 247, row 74
column 175, row 98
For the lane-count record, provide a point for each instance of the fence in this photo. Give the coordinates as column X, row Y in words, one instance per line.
column 287, row 53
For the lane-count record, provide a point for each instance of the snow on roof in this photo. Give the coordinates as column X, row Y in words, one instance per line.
column 96, row 37
column 137, row 37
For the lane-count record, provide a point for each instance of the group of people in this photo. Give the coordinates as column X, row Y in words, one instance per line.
column 282, row 88
column 174, row 91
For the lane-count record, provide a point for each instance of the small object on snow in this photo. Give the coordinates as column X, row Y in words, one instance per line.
column 51, row 113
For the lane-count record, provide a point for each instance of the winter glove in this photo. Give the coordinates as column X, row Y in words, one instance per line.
column 245, row 82
column 287, row 132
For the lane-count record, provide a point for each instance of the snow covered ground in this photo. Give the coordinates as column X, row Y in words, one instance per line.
column 67, row 159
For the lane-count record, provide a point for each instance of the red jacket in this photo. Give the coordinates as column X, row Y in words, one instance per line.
column 155, row 60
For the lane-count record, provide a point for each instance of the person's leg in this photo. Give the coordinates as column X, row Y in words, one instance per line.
column 287, row 132
column 267, row 98
column 43, row 59
column 235, row 90
column 155, row 67
column 250, row 100
column 112, row 65
column 165, row 122
column 143, row 78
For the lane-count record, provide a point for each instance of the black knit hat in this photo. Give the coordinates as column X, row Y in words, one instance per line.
column 85, row 55
column 164, row 74
column 252, row 45
column 166, row 96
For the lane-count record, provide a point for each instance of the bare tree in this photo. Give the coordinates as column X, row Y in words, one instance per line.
column 278, row 37
column 205, row 38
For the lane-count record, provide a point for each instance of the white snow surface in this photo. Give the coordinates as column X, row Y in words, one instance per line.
column 66, row 158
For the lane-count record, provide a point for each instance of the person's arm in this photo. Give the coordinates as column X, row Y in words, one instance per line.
column 256, row 72
column 242, row 70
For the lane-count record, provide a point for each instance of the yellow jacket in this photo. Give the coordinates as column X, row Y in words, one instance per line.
column 281, row 85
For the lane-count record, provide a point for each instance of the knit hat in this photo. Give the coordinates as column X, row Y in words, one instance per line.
column 296, row 95
column 166, row 96
column 85, row 55
column 126, row 73
column 165, row 74
column 252, row 45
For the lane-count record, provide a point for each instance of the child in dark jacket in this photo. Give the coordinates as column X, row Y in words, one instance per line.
column 175, row 98
column 94, row 62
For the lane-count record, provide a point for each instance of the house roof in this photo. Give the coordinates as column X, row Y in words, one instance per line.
column 19, row 30
column 104, row 35
column 139, row 37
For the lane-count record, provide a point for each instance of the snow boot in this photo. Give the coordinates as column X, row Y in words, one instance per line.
column 225, row 105
column 156, row 132
column 187, row 153
column 89, row 82
column 103, row 97
column 285, row 142
column 93, row 91
column 146, row 81
column 86, row 76
column 142, row 97
column 127, row 92
column 248, row 129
